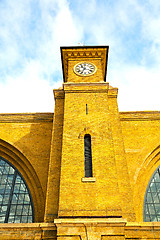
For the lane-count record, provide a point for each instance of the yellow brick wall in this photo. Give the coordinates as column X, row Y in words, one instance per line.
column 52, row 196
column 49, row 153
column 25, row 141
column 96, row 196
column 141, row 131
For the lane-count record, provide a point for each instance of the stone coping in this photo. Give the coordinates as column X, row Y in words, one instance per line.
column 26, row 117
column 26, row 226
column 139, row 115
column 90, row 221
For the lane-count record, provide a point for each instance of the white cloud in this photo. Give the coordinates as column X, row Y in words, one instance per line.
column 33, row 31
column 28, row 92
column 138, row 88
column 31, row 53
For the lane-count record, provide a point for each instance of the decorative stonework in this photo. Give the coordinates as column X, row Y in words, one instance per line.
column 83, row 53
column 91, row 229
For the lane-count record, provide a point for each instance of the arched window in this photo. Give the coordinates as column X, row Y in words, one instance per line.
column 152, row 199
column 88, row 155
column 15, row 199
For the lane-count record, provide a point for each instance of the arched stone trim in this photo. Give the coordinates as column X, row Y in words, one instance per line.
column 17, row 159
column 146, row 152
column 85, row 132
column 142, row 178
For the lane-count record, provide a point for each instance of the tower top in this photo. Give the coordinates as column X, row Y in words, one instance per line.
column 84, row 59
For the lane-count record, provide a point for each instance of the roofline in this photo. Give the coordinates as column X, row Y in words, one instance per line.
column 96, row 46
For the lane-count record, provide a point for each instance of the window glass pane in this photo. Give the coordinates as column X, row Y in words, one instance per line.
column 153, row 187
column 26, row 210
column 88, row 155
column 149, row 198
column 152, row 199
column 155, row 198
column 24, row 219
column 157, row 177
column 13, row 210
column 15, row 200
column 2, row 218
column 151, row 208
column 29, row 218
column 157, row 208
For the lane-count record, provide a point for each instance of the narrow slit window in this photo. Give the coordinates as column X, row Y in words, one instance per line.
column 86, row 109
column 88, row 156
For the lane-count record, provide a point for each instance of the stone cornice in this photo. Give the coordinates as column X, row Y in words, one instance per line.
column 27, row 226
column 140, row 116
column 27, row 230
column 145, row 230
column 90, row 87
column 25, row 117
column 90, row 221
column 58, row 93
column 85, row 87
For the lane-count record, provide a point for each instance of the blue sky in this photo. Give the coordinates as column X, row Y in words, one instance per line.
column 32, row 31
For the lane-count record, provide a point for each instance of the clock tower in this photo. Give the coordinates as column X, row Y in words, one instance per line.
column 88, row 145
column 84, row 64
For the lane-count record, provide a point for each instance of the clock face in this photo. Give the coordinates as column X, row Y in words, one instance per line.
column 85, row 69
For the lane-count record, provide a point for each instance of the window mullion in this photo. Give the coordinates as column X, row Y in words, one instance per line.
column 10, row 198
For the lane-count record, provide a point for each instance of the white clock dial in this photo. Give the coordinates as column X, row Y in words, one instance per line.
column 85, row 69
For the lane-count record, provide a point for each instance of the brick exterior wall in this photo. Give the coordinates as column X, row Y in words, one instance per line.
column 48, row 150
